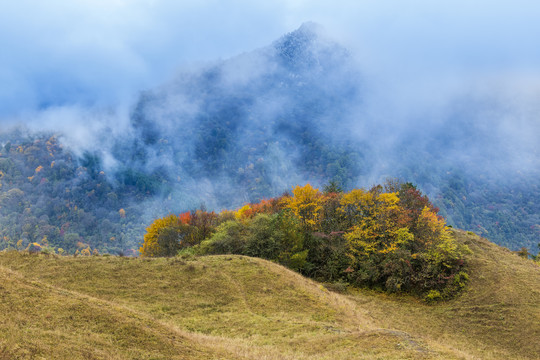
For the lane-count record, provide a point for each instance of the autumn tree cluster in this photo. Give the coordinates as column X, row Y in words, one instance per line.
column 53, row 201
column 389, row 237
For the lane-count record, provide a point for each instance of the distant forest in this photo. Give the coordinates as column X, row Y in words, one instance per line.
column 53, row 198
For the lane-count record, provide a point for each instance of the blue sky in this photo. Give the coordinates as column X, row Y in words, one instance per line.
column 102, row 52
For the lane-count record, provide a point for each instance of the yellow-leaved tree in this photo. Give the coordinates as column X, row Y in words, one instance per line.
column 241, row 213
column 161, row 231
column 306, row 204
column 435, row 239
column 377, row 226
column 356, row 205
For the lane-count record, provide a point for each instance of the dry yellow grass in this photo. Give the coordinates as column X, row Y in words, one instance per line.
column 40, row 321
column 229, row 307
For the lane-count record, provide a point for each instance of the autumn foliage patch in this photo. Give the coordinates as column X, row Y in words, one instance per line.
column 389, row 237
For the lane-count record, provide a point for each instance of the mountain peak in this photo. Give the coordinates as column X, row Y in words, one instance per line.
column 306, row 34
column 302, row 48
column 310, row 27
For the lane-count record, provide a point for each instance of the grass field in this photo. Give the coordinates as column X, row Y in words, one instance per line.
column 233, row 307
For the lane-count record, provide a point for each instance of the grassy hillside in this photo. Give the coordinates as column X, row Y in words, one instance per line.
column 233, row 307
column 498, row 316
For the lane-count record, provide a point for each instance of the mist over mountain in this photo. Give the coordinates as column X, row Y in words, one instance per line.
column 252, row 126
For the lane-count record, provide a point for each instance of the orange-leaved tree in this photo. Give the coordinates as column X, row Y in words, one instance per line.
column 265, row 206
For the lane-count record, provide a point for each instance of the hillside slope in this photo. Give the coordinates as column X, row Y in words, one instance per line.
column 498, row 316
column 228, row 307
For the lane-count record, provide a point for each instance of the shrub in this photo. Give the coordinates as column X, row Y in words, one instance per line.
column 47, row 250
column 229, row 238
column 34, row 248
column 433, row 296
column 261, row 240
